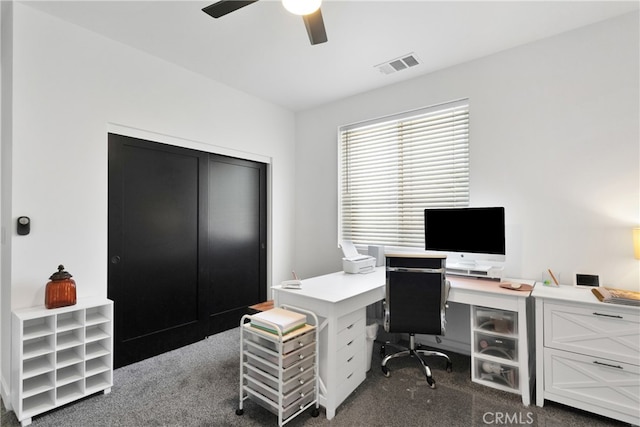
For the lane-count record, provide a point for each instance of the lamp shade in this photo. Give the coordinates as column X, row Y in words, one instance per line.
column 636, row 242
column 301, row 7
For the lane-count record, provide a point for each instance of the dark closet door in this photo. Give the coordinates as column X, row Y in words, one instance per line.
column 187, row 244
column 237, row 239
column 157, row 247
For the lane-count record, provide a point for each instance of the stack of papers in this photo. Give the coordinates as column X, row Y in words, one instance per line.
column 285, row 320
column 617, row 296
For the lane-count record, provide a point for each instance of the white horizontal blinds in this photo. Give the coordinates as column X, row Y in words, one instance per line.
column 394, row 168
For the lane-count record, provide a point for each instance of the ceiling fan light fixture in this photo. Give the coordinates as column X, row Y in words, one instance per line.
column 301, row 7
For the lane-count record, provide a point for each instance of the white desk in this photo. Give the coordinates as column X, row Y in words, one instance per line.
column 340, row 300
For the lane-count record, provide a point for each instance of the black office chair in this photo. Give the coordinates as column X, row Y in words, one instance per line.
column 416, row 296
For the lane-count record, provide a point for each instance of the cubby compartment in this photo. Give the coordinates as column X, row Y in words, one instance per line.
column 37, row 365
column 60, row 355
column 69, row 374
column 100, row 314
column 34, row 328
column 70, row 356
column 96, row 333
column 97, row 349
column 69, row 392
column 37, row 346
column 39, row 384
column 98, row 382
column 69, row 338
column 38, row 403
column 97, row 365
column 71, row 320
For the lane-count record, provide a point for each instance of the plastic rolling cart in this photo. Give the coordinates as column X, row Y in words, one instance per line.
column 280, row 372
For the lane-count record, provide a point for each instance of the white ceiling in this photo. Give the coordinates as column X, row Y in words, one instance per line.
column 263, row 50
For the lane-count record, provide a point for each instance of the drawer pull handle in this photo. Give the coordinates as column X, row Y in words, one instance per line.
column 350, row 359
column 301, row 344
column 607, row 315
column 301, row 394
column 350, row 326
column 301, row 382
column 350, row 342
column 301, row 369
column 301, row 356
column 350, row 375
column 606, row 364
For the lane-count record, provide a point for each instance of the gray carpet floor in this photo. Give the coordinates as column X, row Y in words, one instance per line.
column 198, row 385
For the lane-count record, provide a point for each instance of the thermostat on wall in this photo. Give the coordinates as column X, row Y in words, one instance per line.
column 587, row 280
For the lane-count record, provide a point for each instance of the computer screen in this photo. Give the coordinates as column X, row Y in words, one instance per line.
column 466, row 234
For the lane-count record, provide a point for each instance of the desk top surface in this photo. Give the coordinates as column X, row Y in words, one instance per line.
column 339, row 286
column 568, row 293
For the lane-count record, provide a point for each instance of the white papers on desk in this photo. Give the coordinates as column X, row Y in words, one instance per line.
column 285, row 320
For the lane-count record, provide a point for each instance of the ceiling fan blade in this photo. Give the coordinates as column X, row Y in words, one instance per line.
column 315, row 27
column 223, row 7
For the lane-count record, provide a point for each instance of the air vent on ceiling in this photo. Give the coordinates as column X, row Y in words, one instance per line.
column 398, row 64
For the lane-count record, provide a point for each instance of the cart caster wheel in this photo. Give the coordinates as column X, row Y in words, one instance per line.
column 431, row 382
column 239, row 411
column 449, row 367
column 383, row 353
column 315, row 412
column 385, row 371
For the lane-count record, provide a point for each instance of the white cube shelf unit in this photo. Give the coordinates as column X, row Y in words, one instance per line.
column 60, row 355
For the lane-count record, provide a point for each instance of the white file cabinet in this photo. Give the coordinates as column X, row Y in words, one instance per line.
column 60, row 355
column 587, row 353
column 279, row 372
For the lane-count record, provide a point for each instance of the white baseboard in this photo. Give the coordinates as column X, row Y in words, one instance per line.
column 5, row 395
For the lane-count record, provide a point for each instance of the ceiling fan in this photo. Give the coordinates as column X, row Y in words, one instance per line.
column 312, row 16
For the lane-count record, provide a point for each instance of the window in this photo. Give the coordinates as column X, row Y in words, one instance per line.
column 392, row 168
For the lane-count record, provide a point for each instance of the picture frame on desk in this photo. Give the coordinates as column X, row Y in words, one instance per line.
column 588, row 281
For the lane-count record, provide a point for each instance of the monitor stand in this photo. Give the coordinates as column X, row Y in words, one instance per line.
column 472, row 269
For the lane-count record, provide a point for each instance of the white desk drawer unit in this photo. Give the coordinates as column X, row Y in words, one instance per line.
column 350, row 357
column 588, row 353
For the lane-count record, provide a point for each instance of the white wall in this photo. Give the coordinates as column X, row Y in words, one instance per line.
column 70, row 87
column 554, row 138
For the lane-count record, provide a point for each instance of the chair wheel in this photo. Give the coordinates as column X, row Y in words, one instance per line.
column 239, row 411
column 315, row 412
column 383, row 352
column 431, row 382
column 449, row 367
column 385, row 371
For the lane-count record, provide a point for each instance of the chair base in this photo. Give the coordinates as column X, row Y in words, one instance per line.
column 413, row 351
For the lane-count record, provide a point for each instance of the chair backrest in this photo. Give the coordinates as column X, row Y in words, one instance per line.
column 416, row 292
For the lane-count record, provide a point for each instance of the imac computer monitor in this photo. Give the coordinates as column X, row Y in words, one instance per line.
column 466, row 235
